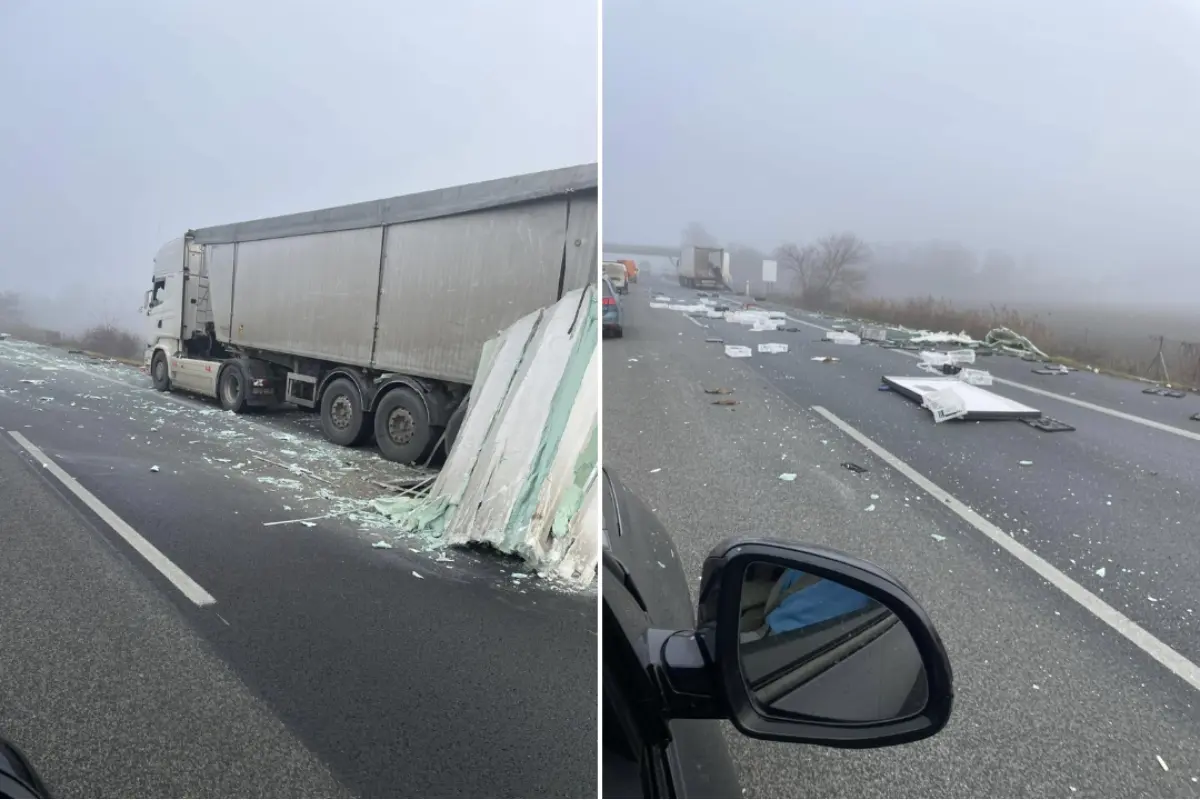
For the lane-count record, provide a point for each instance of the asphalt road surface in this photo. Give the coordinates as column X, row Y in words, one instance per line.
column 1051, row 700
column 325, row 666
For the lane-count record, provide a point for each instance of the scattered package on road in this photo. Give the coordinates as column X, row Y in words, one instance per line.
column 954, row 396
column 975, row 377
column 842, row 337
column 772, row 347
column 873, row 334
column 737, row 351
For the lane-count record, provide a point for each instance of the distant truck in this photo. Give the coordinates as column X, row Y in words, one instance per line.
column 704, row 268
column 373, row 314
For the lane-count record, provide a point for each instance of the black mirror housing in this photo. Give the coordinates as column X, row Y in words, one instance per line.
column 719, row 635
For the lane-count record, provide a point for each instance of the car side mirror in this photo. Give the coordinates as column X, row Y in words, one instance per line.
column 806, row 644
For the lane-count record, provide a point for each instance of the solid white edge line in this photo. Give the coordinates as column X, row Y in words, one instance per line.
column 1112, row 412
column 1159, row 651
column 191, row 590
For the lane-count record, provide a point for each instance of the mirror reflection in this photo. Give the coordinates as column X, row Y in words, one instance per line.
column 812, row 647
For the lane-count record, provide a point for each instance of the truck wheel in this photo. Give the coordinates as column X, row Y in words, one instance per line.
column 402, row 428
column 158, row 372
column 343, row 420
column 231, row 388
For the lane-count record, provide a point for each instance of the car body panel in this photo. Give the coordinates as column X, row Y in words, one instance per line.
column 613, row 315
column 697, row 757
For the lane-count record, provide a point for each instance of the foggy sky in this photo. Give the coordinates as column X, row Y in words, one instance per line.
column 126, row 123
column 1065, row 130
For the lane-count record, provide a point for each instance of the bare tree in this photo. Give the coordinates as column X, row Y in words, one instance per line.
column 800, row 261
column 826, row 270
column 11, row 308
column 697, row 235
column 837, row 272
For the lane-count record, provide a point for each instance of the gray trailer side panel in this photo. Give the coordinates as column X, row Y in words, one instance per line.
column 308, row 295
column 218, row 265
column 582, row 221
column 409, row 208
column 451, row 284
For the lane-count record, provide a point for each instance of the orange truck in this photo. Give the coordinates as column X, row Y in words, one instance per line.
column 631, row 270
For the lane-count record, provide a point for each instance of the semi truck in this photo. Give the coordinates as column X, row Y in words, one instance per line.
column 704, row 268
column 375, row 314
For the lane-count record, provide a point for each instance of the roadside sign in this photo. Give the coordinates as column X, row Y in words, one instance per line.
column 769, row 270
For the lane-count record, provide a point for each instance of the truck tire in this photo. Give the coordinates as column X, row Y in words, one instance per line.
column 159, row 373
column 231, row 388
column 343, row 420
column 402, row 428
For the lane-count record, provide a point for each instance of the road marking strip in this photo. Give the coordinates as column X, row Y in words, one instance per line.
column 1156, row 649
column 191, row 590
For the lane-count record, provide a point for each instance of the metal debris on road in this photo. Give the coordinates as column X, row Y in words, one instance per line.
column 1025, row 463
column 719, row 390
column 154, row 468
column 1048, row 425
column 1100, row 572
column 855, row 468
column 656, row 469
column 870, row 507
column 418, row 575
column 382, row 545
column 1164, row 392
column 725, row 401
column 788, row 476
column 1163, row 764
column 937, row 537
column 1195, row 417
column 826, row 359
column 714, row 340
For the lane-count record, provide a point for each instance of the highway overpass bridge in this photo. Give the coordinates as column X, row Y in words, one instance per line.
column 641, row 249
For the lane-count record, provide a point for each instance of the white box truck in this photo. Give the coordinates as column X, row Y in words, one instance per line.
column 372, row 314
column 704, row 268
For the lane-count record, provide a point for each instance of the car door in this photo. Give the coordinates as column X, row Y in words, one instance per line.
column 647, row 587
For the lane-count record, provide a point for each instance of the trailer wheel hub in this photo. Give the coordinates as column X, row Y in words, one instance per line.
column 400, row 426
column 341, row 412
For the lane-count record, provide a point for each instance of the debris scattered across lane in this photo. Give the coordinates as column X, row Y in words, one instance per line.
column 788, row 476
column 719, row 390
column 855, row 468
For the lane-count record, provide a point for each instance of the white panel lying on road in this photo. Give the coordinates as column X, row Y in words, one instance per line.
column 522, row 475
column 772, row 347
column 979, row 403
column 737, row 351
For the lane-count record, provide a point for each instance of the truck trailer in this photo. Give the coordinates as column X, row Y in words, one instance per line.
column 373, row 315
column 704, row 268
